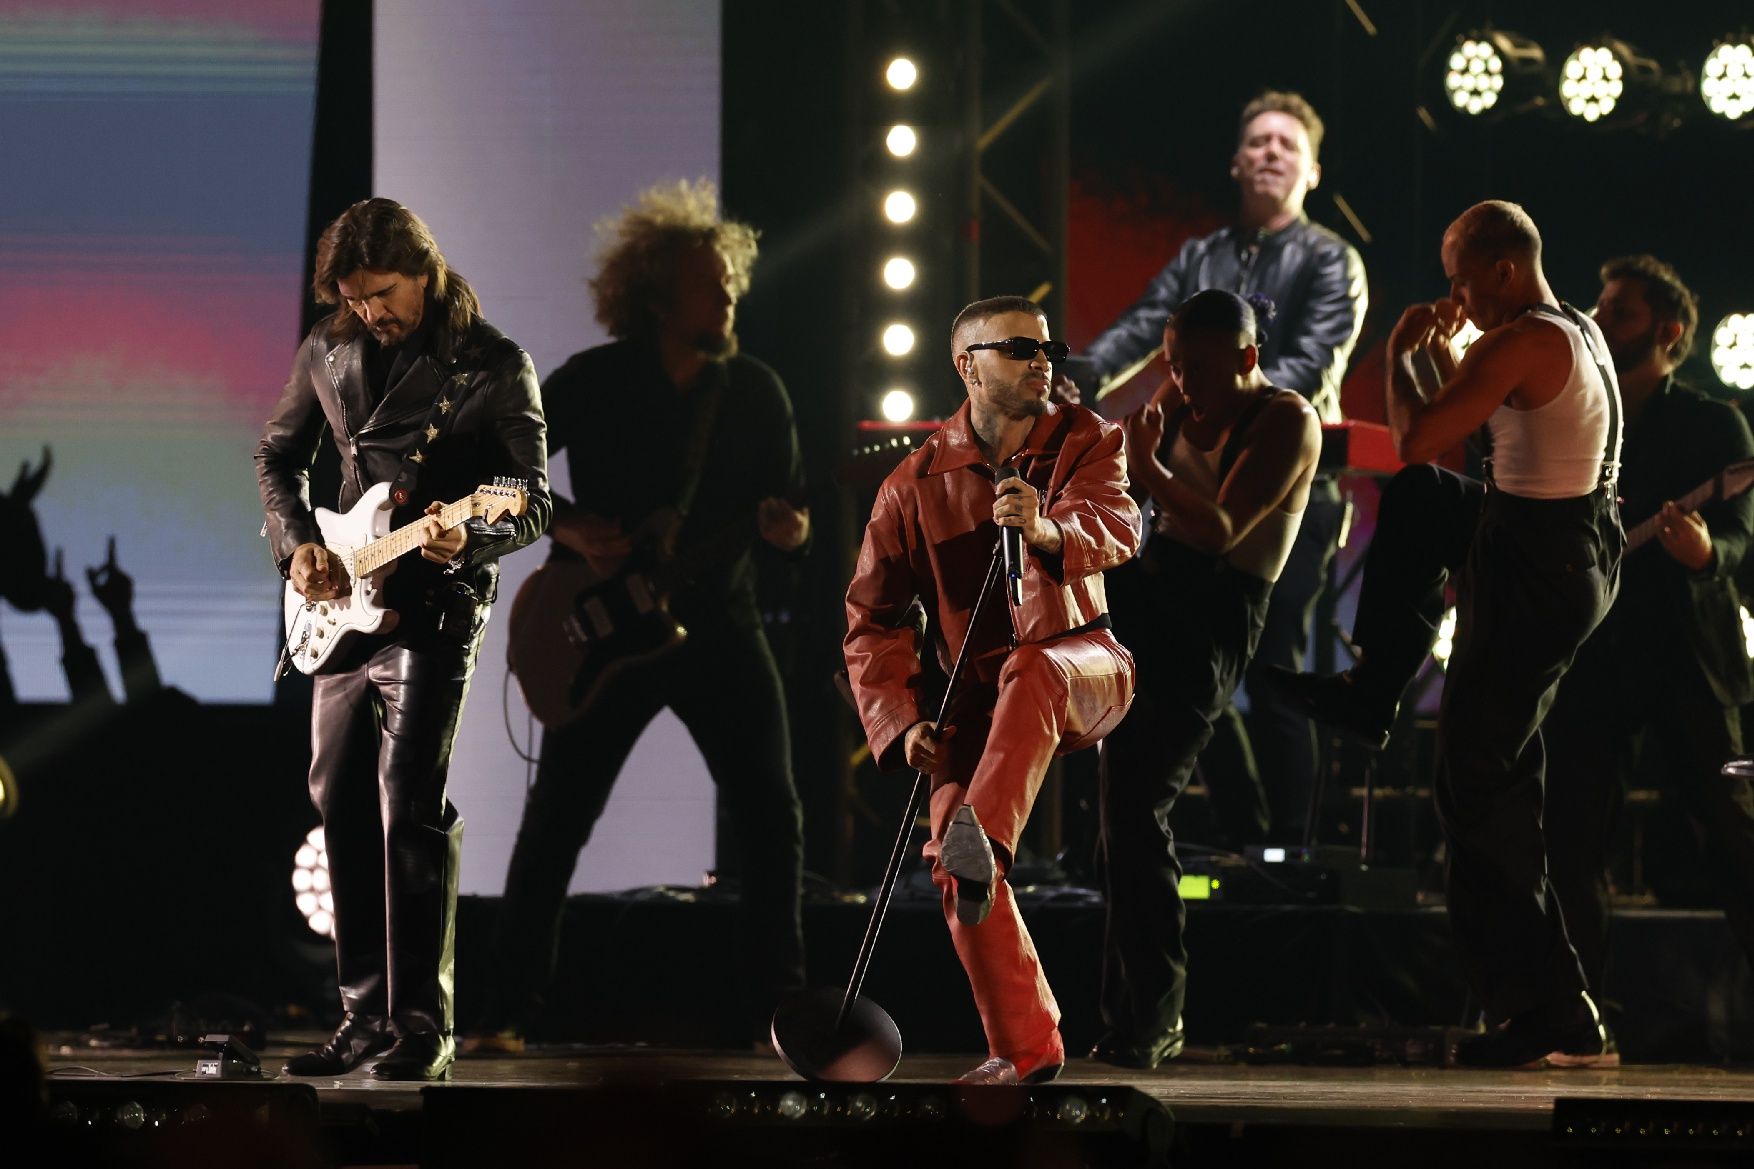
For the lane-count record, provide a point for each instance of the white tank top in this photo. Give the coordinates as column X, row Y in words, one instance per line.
column 1263, row 552
column 1555, row 451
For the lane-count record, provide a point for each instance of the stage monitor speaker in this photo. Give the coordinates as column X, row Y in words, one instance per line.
column 148, row 1124
column 792, row 1123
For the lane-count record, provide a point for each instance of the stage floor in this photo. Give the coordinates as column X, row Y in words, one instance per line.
column 1200, row 1088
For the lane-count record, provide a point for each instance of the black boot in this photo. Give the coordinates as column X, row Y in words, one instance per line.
column 1570, row 1037
column 1139, row 1051
column 357, row 1039
column 423, row 930
column 420, row 1055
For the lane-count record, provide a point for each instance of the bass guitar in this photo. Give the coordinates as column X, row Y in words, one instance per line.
column 573, row 630
column 361, row 538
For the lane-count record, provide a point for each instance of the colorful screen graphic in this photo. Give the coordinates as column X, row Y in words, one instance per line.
column 152, row 223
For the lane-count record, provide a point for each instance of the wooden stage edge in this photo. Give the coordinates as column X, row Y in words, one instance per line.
column 1199, row 1088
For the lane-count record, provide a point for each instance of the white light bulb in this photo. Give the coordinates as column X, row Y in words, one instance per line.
column 898, row 406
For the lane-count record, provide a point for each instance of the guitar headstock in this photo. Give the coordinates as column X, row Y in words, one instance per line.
column 503, row 497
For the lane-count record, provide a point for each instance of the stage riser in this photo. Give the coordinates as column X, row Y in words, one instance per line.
column 665, row 971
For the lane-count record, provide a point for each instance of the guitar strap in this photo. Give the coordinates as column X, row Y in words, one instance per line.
column 694, row 452
column 700, row 433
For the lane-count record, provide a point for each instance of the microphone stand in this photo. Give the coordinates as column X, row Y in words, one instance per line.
column 858, row 1041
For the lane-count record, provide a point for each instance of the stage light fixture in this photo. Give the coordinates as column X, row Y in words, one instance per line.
column 1726, row 80
column 898, row 340
column 901, row 140
column 1593, row 80
column 1732, row 351
column 901, row 74
column 898, row 406
column 1491, row 70
column 1446, row 638
column 1476, row 75
column 898, row 272
column 310, row 884
column 899, row 206
column 1609, row 81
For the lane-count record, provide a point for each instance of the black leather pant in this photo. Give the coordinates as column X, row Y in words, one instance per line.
column 381, row 736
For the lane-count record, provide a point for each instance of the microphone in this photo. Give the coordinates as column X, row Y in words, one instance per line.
column 1011, row 539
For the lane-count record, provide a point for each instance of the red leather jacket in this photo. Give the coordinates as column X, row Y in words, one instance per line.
column 932, row 536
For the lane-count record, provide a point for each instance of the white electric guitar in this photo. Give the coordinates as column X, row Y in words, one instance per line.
column 362, row 539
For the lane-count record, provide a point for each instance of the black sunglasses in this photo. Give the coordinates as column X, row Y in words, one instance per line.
column 1024, row 348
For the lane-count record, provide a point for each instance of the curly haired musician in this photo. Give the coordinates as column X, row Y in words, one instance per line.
column 683, row 454
column 421, row 393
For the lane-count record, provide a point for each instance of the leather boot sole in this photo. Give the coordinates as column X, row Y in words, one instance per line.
column 968, row 857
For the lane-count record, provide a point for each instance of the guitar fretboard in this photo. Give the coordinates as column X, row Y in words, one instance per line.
column 406, row 538
column 1646, row 530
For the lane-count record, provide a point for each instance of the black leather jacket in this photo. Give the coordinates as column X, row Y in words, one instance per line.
column 495, row 427
column 1316, row 282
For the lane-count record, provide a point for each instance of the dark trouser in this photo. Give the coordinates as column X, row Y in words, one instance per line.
column 1265, row 774
column 1425, row 525
column 725, row 688
column 1617, row 697
column 1192, row 625
column 381, row 736
column 1539, row 576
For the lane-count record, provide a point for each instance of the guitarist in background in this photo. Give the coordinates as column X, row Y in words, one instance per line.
column 1668, row 664
column 681, row 450
column 419, row 391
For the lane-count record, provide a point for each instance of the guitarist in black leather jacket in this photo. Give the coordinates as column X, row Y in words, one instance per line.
column 1315, row 280
column 669, row 429
column 416, row 389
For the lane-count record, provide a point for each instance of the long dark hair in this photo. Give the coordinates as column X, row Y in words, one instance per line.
column 381, row 235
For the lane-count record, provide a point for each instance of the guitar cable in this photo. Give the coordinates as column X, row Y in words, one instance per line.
column 505, row 710
column 284, row 664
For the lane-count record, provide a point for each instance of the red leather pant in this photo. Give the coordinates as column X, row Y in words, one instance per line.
column 1050, row 698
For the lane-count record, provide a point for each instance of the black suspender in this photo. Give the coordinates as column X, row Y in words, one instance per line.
column 1610, row 463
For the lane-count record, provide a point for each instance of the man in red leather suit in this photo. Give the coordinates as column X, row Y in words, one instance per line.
column 1042, row 679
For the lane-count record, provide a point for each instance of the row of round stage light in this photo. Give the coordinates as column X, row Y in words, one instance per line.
column 1601, row 81
column 899, row 272
column 1494, row 67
